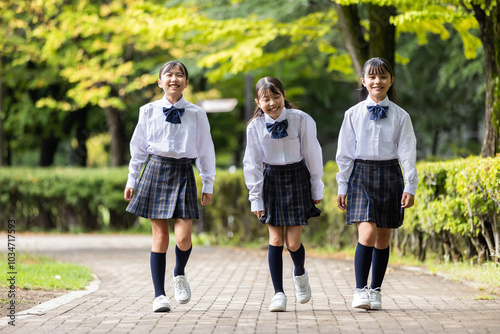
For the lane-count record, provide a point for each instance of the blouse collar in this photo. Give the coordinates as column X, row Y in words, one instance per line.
column 384, row 102
column 179, row 104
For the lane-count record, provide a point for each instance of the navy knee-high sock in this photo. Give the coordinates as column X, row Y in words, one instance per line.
column 298, row 258
column 158, row 263
column 362, row 264
column 379, row 266
column 275, row 258
column 181, row 259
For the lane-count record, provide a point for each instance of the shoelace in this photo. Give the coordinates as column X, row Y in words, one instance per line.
column 179, row 284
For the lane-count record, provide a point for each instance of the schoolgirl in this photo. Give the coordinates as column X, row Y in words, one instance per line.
column 376, row 139
column 171, row 132
column 283, row 167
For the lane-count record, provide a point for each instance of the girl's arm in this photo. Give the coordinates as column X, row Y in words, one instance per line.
column 138, row 150
column 206, row 155
column 407, row 154
column 313, row 156
column 346, row 152
column 252, row 170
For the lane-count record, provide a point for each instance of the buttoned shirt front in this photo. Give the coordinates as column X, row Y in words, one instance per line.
column 385, row 139
column 301, row 143
column 189, row 139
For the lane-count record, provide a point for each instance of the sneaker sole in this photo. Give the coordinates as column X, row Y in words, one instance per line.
column 304, row 300
column 278, row 309
column 183, row 301
column 362, row 306
column 162, row 309
column 376, row 307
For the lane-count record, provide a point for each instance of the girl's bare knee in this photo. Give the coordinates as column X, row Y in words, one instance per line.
column 183, row 242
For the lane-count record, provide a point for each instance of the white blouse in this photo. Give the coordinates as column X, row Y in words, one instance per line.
column 385, row 139
column 189, row 139
column 301, row 143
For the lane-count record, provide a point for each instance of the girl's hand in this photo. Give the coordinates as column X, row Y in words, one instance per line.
column 129, row 193
column 317, row 201
column 258, row 213
column 407, row 201
column 341, row 202
column 206, row 198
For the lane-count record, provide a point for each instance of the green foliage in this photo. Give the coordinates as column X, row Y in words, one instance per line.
column 85, row 199
column 456, row 214
column 64, row 199
column 457, row 210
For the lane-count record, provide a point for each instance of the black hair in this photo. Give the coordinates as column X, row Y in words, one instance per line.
column 377, row 65
column 269, row 85
column 170, row 65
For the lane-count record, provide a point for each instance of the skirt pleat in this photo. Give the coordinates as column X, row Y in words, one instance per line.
column 287, row 195
column 167, row 189
column 374, row 193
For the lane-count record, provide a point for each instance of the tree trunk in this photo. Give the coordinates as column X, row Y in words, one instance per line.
column 353, row 34
column 382, row 33
column 435, row 143
column 48, row 150
column 116, row 132
column 79, row 154
column 489, row 27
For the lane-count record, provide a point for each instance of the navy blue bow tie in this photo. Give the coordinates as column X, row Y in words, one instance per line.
column 278, row 129
column 173, row 114
column 377, row 112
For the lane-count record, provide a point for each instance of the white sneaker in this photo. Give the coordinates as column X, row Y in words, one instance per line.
column 375, row 299
column 161, row 304
column 278, row 304
column 302, row 288
column 182, row 291
column 361, row 299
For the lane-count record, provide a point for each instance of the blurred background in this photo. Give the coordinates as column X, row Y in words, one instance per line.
column 73, row 74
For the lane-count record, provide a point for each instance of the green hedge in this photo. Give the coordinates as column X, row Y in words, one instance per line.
column 456, row 213
column 63, row 199
column 90, row 199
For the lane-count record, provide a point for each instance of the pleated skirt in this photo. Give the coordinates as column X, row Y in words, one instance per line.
column 374, row 193
column 167, row 189
column 287, row 195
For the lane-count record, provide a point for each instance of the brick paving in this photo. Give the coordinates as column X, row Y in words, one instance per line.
column 231, row 292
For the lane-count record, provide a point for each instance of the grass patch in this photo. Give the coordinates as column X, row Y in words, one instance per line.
column 485, row 276
column 38, row 272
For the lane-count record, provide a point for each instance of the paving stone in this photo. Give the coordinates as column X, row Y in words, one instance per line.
column 231, row 292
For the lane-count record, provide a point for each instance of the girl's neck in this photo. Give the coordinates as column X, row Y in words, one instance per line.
column 173, row 99
column 378, row 99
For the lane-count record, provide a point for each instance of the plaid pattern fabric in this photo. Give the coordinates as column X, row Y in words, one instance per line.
column 374, row 193
column 167, row 189
column 287, row 195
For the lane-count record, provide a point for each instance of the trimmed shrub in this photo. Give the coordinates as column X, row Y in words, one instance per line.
column 456, row 214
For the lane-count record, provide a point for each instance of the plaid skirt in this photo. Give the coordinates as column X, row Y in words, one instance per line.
column 167, row 189
column 287, row 195
column 374, row 193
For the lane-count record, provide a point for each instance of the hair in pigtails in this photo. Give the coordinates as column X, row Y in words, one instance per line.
column 269, row 85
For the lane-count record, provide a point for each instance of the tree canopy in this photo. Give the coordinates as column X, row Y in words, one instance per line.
column 72, row 69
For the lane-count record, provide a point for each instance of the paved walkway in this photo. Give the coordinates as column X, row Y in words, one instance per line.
column 231, row 292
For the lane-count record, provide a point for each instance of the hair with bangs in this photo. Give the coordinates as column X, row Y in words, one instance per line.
column 170, row 65
column 377, row 65
column 267, row 86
